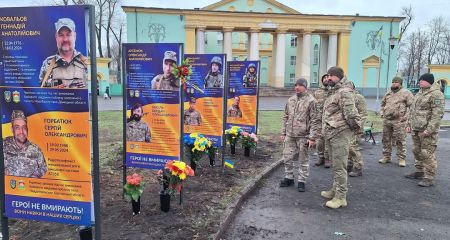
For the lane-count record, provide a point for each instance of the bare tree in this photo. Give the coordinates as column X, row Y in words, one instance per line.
column 437, row 28
column 408, row 14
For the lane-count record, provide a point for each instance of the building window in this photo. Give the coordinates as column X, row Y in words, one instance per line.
column 292, row 78
column 293, row 41
column 231, row 9
column 316, row 54
column 315, row 77
column 219, row 39
column 293, row 60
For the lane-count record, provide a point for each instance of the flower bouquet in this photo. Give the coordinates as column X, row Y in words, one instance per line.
column 197, row 146
column 232, row 135
column 171, row 179
column 249, row 141
column 184, row 72
column 133, row 190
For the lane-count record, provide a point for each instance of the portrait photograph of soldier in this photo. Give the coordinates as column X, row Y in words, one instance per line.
column 22, row 157
column 67, row 68
column 166, row 80
column 137, row 130
column 235, row 110
column 250, row 78
column 214, row 78
column 191, row 116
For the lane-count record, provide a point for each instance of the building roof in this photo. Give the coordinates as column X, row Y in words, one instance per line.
column 277, row 4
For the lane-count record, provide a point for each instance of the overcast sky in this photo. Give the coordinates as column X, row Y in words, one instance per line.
column 423, row 10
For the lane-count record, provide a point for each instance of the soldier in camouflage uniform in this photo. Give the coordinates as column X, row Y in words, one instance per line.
column 22, row 157
column 320, row 95
column 67, row 68
column 137, row 130
column 191, row 116
column 235, row 110
column 426, row 113
column 394, row 111
column 214, row 79
column 339, row 122
column 355, row 160
column 251, row 76
column 299, row 131
column 166, row 80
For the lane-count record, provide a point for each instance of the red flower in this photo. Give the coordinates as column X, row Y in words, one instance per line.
column 185, row 71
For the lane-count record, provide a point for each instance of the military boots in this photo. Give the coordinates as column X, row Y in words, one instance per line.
column 426, row 183
column 336, row 203
column 286, row 182
column 327, row 194
column 320, row 161
column 384, row 160
column 415, row 175
column 355, row 173
column 327, row 163
column 401, row 163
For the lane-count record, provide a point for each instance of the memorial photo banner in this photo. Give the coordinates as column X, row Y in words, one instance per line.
column 152, row 104
column 242, row 95
column 44, row 100
column 203, row 112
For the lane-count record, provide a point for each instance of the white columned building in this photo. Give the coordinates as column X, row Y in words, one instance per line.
column 227, row 43
column 200, row 41
column 306, row 56
column 332, row 50
column 254, row 45
column 280, row 62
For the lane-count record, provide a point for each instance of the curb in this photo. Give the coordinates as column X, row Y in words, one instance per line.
column 233, row 209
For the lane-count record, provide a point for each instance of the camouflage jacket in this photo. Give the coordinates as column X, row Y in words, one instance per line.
column 71, row 74
column 159, row 82
column 339, row 111
column 24, row 162
column 300, row 118
column 427, row 109
column 234, row 111
column 214, row 81
column 320, row 95
column 361, row 106
column 192, row 118
column 395, row 104
column 250, row 79
column 138, row 131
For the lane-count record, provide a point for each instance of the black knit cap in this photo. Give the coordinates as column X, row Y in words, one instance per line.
column 302, row 82
column 428, row 77
column 336, row 71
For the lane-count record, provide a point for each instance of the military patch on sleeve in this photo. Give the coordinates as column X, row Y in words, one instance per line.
column 437, row 101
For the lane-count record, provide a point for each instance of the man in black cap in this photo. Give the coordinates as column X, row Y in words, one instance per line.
column 299, row 132
column 426, row 113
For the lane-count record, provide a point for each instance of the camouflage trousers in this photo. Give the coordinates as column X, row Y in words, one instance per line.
column 338, row 148
column 424, row 149
column 292, row 147
column 394, row 134
column 322, row 151
column 354, row 155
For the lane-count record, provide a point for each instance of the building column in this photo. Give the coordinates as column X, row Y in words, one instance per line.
column 280, row 64
column 343, row 48
column 306, row 56
column 200, row 49
column 189, row 46
column 332, row 50
column 298, row 56
column 274, row 60
column 254, row 45
column 323, row 55
column 227, row 44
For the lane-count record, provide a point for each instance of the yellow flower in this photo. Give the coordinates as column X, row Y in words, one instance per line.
column 193, row 135
column 182, row 176
column 180, row 165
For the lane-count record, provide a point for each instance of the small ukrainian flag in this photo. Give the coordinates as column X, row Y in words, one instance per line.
column 229, row 163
